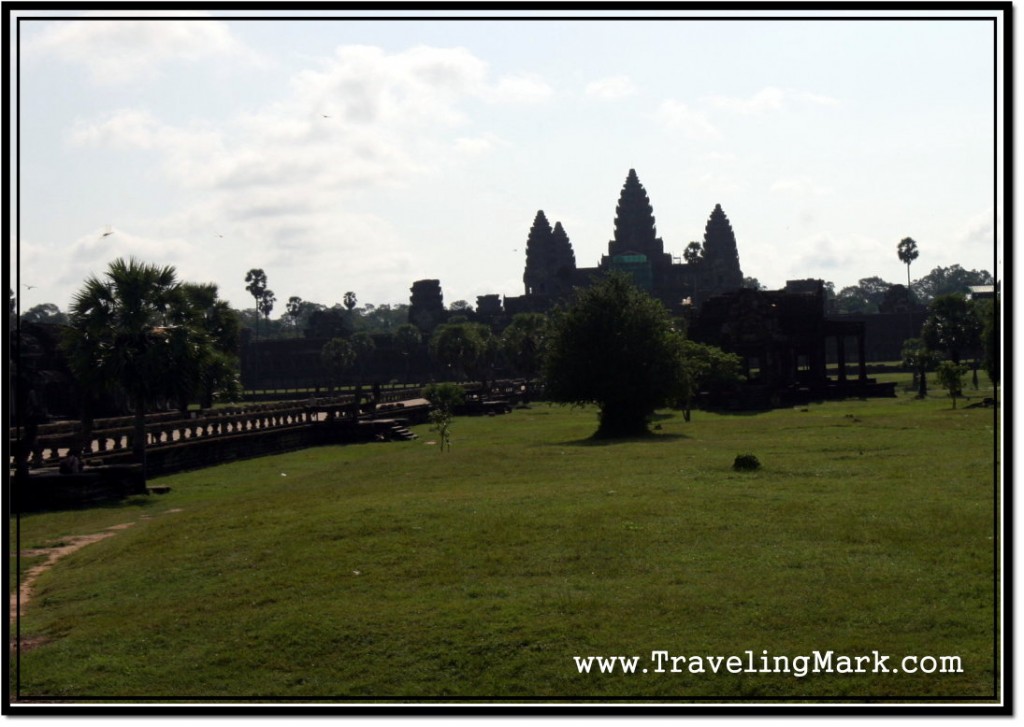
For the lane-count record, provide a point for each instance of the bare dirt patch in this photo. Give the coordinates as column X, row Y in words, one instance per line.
column 69, row 545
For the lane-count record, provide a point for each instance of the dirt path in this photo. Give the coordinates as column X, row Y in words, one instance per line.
column 68, row 546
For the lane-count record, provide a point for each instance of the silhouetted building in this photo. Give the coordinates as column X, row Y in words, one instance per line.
column 635, row 249
column 426, row 305
column 784, row 341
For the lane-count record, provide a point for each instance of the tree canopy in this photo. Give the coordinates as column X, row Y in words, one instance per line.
column 140, row 331
column 952, row 327
column 615, row 346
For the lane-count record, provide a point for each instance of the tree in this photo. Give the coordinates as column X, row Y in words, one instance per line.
column 918, row 358
column 44, row 313
column 460, row 306
column 328, row 323
column 295, row 308
column 337, row 356
column 864, row 297
column 119, row 336
column 407, row 340
column 897, row 299
column 952, row 327
column 707, row 368
column 944, row 281
column 384, row 317
column 443, row 399
column 988, row 313
column 458, row 347
column 615, row 347
column 907, row 252
column 266, row 304
column 256, row 283
column 206, row 335
column 693, row 253
column 349, row 301
column 524, row 342
column 363, row 347
column 951, row 376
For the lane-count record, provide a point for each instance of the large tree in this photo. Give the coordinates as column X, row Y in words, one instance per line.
column 212, row 323
column 121, row 331
column 524, row 341
column 44, row 313
column 615, row 346
column 864, row 297
column 460, row 348
column 337, row 356
column 944, row 281
column 952, row 327
column 988, row 314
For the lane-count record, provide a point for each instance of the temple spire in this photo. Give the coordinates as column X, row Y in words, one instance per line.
column 550, row 261
column 635, row 231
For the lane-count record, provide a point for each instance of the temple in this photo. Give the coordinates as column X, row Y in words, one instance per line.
column 707, row 269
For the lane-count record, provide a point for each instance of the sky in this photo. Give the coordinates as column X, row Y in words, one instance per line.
column 364, row 151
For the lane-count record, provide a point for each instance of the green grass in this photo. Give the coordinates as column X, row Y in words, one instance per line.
column 393, row 571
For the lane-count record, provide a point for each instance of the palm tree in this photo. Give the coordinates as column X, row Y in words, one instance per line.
column 907, row 251
column 121, row 334
column 257, row 283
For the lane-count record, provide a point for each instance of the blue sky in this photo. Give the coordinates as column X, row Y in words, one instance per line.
column 362, row 155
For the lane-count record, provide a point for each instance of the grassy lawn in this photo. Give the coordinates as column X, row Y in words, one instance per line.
column 393, row 571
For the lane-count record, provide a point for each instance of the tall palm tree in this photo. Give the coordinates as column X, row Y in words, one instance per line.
column 257, row 284
column 121, row 334
column 907, row 251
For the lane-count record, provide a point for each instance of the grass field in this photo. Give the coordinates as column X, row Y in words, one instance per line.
column 392, row 571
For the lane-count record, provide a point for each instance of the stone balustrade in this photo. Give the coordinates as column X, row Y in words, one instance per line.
column 112, row 436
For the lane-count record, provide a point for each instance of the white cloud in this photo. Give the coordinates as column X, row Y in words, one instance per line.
column 800, row 186
column 520, row 89
column 121, row 51
column 678, row 116
column 833, row 256
column 289, row 182
column 769, row 99
column 613, row 87
column 476, row 145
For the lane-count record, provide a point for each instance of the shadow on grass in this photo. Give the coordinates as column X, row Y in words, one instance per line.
column 595, row 441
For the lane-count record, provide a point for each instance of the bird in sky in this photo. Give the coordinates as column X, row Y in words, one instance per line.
column 107, row 232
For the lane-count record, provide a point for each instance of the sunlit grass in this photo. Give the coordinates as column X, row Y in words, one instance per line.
column 392, row 571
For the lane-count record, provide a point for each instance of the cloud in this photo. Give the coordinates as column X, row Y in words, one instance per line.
column 477, row 145
column 832, row 256
column 799, row 186
column 613, row 87
column 520, row 89
column 289, row 182
column 978, row 230
column 676, row 115
column 768, row 100
column 132, row 49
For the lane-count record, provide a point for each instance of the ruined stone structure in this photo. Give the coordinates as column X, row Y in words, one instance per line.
column 784, row 341
column 426, row 305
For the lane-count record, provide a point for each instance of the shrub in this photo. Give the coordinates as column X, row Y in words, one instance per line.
column 746, row 463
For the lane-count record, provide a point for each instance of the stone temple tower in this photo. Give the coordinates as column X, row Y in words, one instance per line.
column 719, row 270
column 550, row 261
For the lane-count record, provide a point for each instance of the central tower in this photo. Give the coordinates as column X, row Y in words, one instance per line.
column 636, row 247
